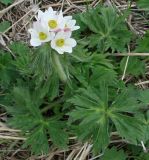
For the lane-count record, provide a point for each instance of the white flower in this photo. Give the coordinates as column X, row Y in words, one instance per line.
column 52, row 19
column 70, row 24
column 63, row 43
column 40, row 15
column 51, row 11
column 40, row 34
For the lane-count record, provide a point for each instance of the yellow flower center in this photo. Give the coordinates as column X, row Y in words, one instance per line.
column 52, row 24
column 66, row 26
column 60, row 42
column 42, row 36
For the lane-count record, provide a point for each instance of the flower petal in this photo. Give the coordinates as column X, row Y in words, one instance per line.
column 67, row 34
column 67, row 49
column 35, row 42
column 40, row 15
column 60, row 51
column 60, row 34
column 67, row 18
column 71, row 23
column 70, row 42
column 33, row 33
column 53, row 44
column 75, row 28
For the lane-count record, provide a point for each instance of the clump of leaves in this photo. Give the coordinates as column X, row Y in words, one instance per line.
column 109, row 30
column 28, row 117
column 96, row 111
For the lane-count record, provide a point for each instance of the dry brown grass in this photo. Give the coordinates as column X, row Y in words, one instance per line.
column 21, row 14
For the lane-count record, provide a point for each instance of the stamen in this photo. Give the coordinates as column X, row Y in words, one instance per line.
column 52, row 24
column 60, row 42
column 42, row 36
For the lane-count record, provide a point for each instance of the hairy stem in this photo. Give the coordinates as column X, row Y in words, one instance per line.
column 59, row 68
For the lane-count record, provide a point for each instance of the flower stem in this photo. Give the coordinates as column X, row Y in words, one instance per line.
column 58, row 66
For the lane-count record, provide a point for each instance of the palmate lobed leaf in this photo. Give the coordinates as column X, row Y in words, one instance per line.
column 94, row 110
column 109, row 28
column 27, row 116
column 92, row 68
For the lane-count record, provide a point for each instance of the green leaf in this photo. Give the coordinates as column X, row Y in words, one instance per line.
column 109, row 28
column 135, row 66
column 90, row 111
column 145, row 120
column 143, row 4
column 57, row 135
column 48, row 88
column 41, row 61
column 6, row 2
column 144, row 96
column 114, row 154
column 23, row 57
column 123, row 104
column 7, row 70
column 27, row 116
column 98, row 133
column 143, row 156
column 4, row 25
column 95, row 108
column 54, row 87
column 103, row 74
column 143, row 43
column 38, row 141
column 128, row 127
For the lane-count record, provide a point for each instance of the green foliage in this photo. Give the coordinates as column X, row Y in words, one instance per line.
column 27, row 117
column 6, row 70
column 45, row 61
column 41, row 62
column 6, row 2
column 113, row 154
column 94, row 109
column 50, row 97
column 143, row 4
column 145, row 119
column 4, row 25
column 143, row 44
column 135, row 66
column 23, row 60
column 109, row 29
column 144, row 95
column 144, row 156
